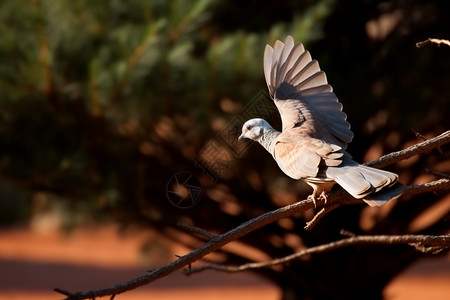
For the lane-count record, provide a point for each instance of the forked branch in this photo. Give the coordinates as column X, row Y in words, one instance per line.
column 424, row 243
column 335, row 199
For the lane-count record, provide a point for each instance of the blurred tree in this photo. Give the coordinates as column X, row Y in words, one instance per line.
column 102, row 103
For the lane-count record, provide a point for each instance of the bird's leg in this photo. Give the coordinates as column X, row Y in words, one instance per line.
column 313, row 198
column 324, row 196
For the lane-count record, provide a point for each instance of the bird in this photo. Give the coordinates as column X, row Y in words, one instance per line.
column 312, row 143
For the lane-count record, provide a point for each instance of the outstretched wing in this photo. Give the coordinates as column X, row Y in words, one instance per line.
column 305, row 100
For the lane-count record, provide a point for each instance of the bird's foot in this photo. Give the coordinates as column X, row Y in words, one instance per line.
column 313, row 198
column 323, row 196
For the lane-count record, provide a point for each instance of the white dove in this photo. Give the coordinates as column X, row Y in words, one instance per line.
column 315, row 132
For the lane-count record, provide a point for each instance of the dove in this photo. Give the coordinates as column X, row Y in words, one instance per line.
column 315, row 132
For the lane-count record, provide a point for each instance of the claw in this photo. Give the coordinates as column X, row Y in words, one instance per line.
column 323, row 196
column 311, row 197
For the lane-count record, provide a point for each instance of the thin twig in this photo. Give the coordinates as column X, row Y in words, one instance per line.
column 417, row 149
column 318, row 216
column 418, row 134
column 311, row 223
column 347, row 233
column 439, row 241
column 432, row 41
column 199, row 231
column 61, row 291
column 439, row 174
column 423, row 138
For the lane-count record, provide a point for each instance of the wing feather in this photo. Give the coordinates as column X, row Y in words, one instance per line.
column 268, row 54
column 292, row 59
column 297, row 160
column 287, row 49
column 308, row 70
column 302, row 94
column 302, row 61
column 304, row 158
column 326, row 88
column 317, row 79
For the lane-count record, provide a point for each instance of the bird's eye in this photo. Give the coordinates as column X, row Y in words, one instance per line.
column 249, row 127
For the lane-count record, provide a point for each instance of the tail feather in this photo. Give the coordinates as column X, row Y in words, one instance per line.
column 385, row 195
column 354, row 183
column 374, row 186
column 378, row 178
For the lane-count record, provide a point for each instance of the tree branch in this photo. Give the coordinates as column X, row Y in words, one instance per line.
column 421, row 242
column 438, row 174
column 408, row 192
column 212, row 245
column 386, row 160
column 417, row 149
column 204, row 234
column 412, row 190
column 335, row 199
column 432, row 41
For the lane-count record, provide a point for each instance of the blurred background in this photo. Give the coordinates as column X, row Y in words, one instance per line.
column 124, row 116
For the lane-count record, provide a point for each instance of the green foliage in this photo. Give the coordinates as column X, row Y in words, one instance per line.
column 68, row 63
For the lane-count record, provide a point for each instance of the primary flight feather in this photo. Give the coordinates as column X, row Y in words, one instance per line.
column 315, row 133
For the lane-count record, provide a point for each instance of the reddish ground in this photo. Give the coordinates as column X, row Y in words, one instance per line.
column 32, row 263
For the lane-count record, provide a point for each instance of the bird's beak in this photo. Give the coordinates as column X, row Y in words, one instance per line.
column 241, row 137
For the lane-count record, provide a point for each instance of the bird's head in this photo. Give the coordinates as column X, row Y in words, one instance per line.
column 253, row 129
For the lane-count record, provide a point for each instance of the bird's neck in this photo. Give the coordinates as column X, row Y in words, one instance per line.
column 268, row 139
